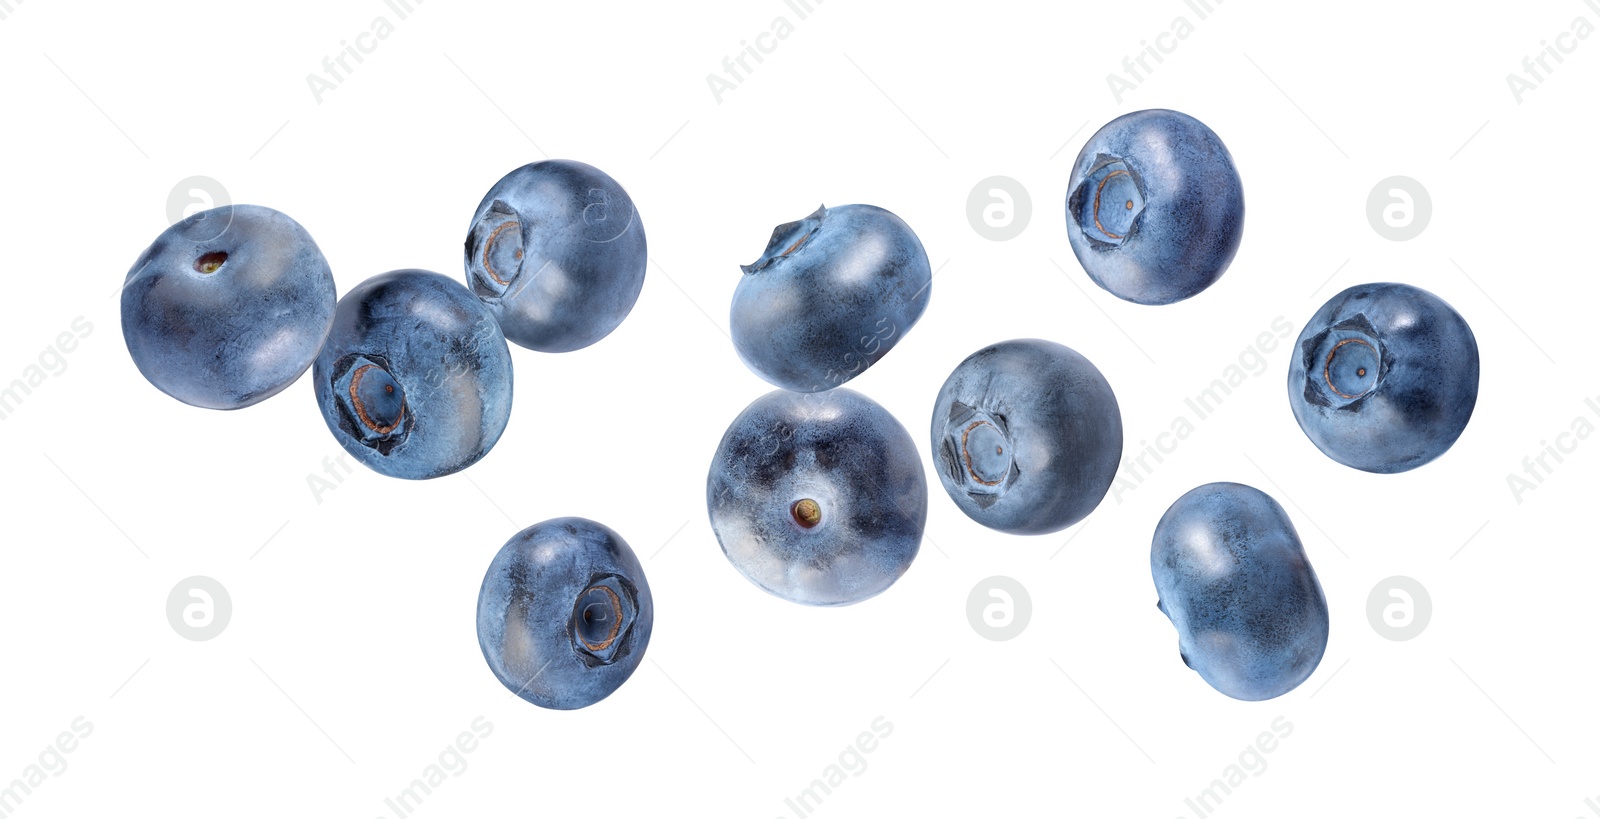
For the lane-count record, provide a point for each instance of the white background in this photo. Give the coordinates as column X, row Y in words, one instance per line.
column 351, row 663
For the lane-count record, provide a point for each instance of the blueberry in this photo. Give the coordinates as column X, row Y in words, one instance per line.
column 818, row 498
column 1384, row 377
column 415, row 378
column 1155, row 208
column 564, row 613
column 1237, row 585
column 832, row 294
column 227, row 307
column 557, row 252
column 1026, row 436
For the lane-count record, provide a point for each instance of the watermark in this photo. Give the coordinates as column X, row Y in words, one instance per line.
column 1252, row 361
column 51, row 362
column 1593, row 804
column 1399, row 608
column 852, row 762
column 999, row 208
column 199, row 608
column 1399, row 208
column 52, row 762
column 1537, row 67
column 736, row 67
column 1252, row 762
column 1136, row 69
column 336, row 468
column 1537, row 468
column 467, row 352
column 194, row 194
column 999, row 608
column 862, row 352
column 336, row 67
column 8, row 8
column 452, row 762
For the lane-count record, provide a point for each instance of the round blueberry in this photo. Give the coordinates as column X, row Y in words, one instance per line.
column 818, row 498
column 227, row 307
column 1155, row 209
column 1235, row 581
column 1026, row 436
column 564, row 613
column 1384, row 377
column 557, row 252
column 832, row 294
column 415, row 377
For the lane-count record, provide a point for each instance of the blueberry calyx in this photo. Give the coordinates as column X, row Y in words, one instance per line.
column 1344, row 364
column 602, row 620
column 787, row 238
column 977, row 453
column 806, row 512
column 1109, row 202
column 371, row 402
column 495, row 248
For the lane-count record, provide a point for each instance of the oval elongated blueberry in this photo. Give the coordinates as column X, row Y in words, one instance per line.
column 1026, row 436
column 564, row 613
column 1155, row 209
column 1384, row 377
column 832, row 294
column 557, row 252
column 1234, row 579
column 415, row 378
column 818, row 498
column 228, row 306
